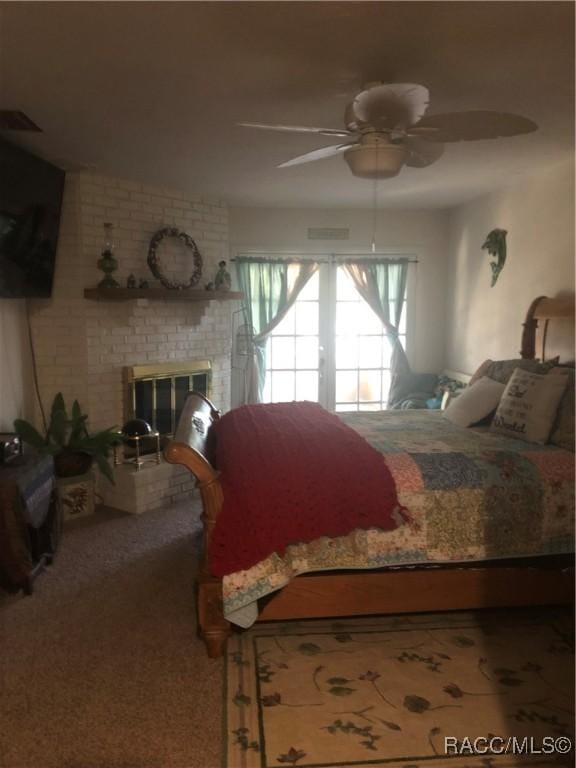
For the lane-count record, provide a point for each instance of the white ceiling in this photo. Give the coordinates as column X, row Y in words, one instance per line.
column 152, row 91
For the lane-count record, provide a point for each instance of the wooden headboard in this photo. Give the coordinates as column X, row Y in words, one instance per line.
column 549, row 329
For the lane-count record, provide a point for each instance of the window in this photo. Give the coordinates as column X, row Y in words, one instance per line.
column 292, row 361
column 331, row 348
column 362, row 351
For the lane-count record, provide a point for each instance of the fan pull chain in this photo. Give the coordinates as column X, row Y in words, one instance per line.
column 374, row 212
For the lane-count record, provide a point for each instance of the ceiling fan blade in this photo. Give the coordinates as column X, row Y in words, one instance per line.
column 422, row 153
column 299, row 129
column 318, row 154
column 473, row 126
column 391, row 105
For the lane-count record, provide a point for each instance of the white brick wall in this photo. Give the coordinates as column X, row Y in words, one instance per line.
column 81, row 345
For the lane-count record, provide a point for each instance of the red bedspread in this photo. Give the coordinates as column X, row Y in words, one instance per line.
column 293, row 472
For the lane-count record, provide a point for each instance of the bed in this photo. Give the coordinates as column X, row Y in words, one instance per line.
column 450, row 556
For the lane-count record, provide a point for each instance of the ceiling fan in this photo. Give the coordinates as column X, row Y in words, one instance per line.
column 386, row 128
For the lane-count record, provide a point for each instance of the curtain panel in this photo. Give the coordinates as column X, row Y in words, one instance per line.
column 270, row 289
column 383, row 286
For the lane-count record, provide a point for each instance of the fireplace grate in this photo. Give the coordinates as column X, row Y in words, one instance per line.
column 158, row 395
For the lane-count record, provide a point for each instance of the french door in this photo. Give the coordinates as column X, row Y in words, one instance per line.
column 330, row 348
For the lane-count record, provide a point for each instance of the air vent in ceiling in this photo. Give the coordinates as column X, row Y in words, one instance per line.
column 328, row 233
column 14, row 120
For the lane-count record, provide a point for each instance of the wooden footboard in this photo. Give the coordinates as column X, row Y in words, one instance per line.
column 540, row 581
column 192, row 447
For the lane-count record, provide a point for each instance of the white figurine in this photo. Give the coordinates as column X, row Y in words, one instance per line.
column 222, row 281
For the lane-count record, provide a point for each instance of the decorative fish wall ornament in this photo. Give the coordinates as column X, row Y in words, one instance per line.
column 495, row 244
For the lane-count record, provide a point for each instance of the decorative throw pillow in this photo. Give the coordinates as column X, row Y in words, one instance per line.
column 481, row 371
column 406, row 386
column 563, row 429
column 528, row 406
column 502, row 370
column 475, row 402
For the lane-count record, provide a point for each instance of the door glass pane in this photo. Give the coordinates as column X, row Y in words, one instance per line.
column 346, row 352
column 307, row 318
column 293, row 353
column 402, row 325
column 310, row 290
column 347, row 318
column 282, row 353
column 363, row 350
column 345, row 286
column 370, row 351
column 307, row 385
column 346, row 386
column 307, row 352
column 286, row 325
column 369, row 386
column 283, row 386
column 368, row 321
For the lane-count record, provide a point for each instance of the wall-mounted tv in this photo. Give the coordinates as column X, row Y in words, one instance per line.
column 30, row 201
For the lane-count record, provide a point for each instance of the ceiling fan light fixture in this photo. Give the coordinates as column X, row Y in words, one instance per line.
column 387, row 128
column 376, row 161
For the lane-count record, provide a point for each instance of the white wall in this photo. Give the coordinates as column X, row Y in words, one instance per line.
column 420, row 233
column 538, row 213
column 16, row 389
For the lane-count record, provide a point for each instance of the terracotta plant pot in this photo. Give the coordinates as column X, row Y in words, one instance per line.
column 70, row 464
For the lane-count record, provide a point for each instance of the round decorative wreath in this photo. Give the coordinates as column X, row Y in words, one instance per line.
column 154, row 264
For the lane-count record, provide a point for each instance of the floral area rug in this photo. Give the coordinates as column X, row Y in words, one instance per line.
column 389, row 691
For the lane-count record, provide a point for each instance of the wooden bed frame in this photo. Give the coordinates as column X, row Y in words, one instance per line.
column 539, row 581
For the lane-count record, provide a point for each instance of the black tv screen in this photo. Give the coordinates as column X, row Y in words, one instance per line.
column 30, row 201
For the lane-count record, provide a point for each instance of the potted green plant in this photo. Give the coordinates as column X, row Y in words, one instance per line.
column 69, row 442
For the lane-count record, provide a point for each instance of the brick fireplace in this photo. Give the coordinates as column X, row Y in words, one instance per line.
column 82, row 346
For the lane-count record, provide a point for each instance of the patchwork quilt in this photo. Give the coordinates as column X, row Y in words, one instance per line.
column 471, row 495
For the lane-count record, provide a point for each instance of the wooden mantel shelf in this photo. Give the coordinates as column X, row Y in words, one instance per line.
column 159, row 294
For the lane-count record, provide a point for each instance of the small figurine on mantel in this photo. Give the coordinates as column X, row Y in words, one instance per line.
column 130, row 281
column 222, row 281
column 143, row 284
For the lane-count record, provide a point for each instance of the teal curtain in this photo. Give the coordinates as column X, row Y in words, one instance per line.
column 383, row 286
column 270, row 288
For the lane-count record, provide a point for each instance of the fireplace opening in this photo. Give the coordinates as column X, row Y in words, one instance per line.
column 157, row 392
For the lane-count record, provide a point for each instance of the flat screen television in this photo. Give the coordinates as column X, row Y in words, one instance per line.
column 31, row 192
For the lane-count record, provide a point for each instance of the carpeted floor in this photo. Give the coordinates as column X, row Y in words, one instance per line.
column 101, row 667
column 402, row 691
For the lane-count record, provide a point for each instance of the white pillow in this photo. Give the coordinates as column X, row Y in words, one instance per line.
column 475, row 402
column 529, row 405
